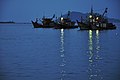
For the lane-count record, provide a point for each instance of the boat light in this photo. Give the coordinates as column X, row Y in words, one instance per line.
column 93, row 20
column 61, row 18
column 97, row 18
column 90, row 16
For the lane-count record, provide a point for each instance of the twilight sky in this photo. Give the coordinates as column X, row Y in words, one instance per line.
column 27, row 10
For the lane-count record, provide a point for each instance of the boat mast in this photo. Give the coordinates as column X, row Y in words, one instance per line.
column 91, row 14
column 68, row 14
column 103, row 19
column 104, row 12
column 91, row 10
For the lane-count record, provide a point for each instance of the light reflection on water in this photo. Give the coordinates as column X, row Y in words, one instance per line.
column 94, row 72
column 62, row 55
column 62, row 40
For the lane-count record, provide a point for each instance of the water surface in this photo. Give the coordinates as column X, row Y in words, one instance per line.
column 49, row 54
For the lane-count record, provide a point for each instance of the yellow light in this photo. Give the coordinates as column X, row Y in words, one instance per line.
column 97, row 18
column 90, row 16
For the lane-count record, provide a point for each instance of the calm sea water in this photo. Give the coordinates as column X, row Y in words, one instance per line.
column 48, row 54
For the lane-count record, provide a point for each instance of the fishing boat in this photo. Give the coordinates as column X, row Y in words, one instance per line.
column 61, row 23
column 96, row 21
column 65, row 23
column 37, row 25
column 45, row 23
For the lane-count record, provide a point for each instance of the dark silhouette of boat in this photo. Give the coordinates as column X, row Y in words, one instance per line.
column 46, row 23
column 62, row 23
column 95, row 21
column 65, row 23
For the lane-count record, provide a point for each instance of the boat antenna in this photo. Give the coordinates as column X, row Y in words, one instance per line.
column 36, row 20
column 91, row 9
column 81, row 19
column 61, row 15
column 105, row 11
column 68, row 14
column 53, row 16
column 56, row 18
column 43, row 15
column 43, row 18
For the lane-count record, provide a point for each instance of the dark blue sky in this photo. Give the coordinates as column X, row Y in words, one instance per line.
column 27, row 10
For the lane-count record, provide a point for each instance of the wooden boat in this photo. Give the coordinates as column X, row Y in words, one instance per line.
column 37, row 25
column 65, row 23
column 59, row 26
column 46, row 23
column 99, row 26
column 96, row 21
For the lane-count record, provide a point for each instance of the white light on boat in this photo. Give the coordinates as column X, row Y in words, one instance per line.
column 93, row 20
column 90, row 16
column 97, row 18
column 61, row 18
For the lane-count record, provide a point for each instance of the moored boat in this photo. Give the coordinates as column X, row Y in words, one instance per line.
column 45, row 23
column 65, row 23
column 96, row 21
column 37, row 25
column 61, row 23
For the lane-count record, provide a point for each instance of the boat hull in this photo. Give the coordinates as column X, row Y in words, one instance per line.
column 65, row 27
column 109, row 26
column 55, row 26
column 37, row 25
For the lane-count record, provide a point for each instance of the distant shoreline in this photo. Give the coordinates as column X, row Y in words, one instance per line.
column 15, row 23
column 7, row 22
